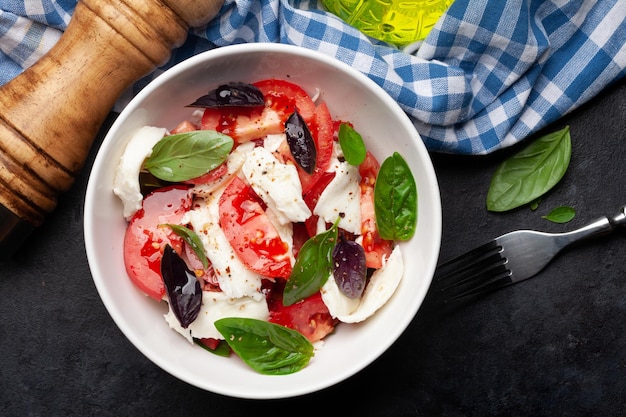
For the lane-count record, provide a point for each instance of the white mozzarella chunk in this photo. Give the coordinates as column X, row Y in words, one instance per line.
column 273, row 142
column 126, row 182
column 337, row 151
column 381, row 286
column 342, row 199
column 217, row 305
column 234, row 278
column 233, row 162
column 338, row 304
column 277, row 184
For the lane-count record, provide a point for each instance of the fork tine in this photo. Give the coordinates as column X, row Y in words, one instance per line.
column 466, row 260
column 470, row 272
column 494, row 279
column 478, row 271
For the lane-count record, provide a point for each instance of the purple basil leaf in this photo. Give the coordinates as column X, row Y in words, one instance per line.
column 301, row 142
column 349, row 268
column 230, row 95
column 183, row 289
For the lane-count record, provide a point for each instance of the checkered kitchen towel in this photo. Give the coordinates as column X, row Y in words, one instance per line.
column 490, row 73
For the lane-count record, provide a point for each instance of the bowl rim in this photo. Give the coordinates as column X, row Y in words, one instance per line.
column 222, row 52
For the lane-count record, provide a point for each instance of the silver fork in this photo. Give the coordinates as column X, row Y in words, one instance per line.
column 511, row 258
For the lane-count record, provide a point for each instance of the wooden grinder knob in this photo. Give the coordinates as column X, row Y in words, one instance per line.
column 51, row 113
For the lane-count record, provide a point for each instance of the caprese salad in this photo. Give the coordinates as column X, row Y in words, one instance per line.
column 263, row 222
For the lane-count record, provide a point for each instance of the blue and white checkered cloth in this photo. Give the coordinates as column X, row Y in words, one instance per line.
column 490, row 73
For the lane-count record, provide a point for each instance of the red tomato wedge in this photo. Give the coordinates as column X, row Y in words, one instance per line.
column 144, row 239
column 309, row 316
column 375, row 247
column 312, row 196
column 282, row 98
column 250, row 231
column 210, row 342
column 184, row 126
column 285, row 98
column 244, row 124
column 321, row 129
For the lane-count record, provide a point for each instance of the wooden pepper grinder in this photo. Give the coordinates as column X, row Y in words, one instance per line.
column 51, row 113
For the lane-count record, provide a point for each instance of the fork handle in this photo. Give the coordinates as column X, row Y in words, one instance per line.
column 619, row 219
column 599, row 227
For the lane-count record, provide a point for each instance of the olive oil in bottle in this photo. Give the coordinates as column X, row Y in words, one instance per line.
column 398, row 22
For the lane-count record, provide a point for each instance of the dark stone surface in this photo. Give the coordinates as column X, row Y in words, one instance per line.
column 553, row 345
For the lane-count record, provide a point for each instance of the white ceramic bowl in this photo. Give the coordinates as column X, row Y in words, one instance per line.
column 350, row 96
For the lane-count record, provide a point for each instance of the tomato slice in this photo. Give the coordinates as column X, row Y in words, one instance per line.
column 322, row 130
column 300, row 236
column 309, row 316
column 184, row 126
column 312, row 196
column 250, row 231
column 244, row 124
column 210, row 342
column 144, row 239
column 285, row 98
column 375, row 247
column 282, row 98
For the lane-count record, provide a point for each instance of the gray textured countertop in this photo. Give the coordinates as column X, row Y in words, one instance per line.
column 553, row 345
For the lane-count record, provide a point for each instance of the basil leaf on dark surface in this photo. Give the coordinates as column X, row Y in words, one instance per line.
column 562, row 214
column 395, row 199
column 352, row 145
column 312, row 268
column 530, row 173
column 349, row 269
column 301, row 142
column 188, row 155
column 534, row 205
column 268, row 348
column 183, row 289
column 234, row 94
column 192, row 240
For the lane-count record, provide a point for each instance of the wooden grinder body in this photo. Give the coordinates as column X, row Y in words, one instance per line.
column 51, row 113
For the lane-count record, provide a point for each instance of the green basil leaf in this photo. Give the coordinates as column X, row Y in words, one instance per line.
column 561, row 214
column 192, row 239
column 534, row 205
column 531, row 172
column 312, row 268
column 395, row 199
column 352, row 145
column 188, row 155
column 268, row 348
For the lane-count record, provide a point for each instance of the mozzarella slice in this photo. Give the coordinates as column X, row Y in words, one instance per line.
column 234, row 278
column 233, row 162
column 381, row 286
column 342, row 199
column 273, row 142
column 126, row 181
column 277, row 184
column 217, row 305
